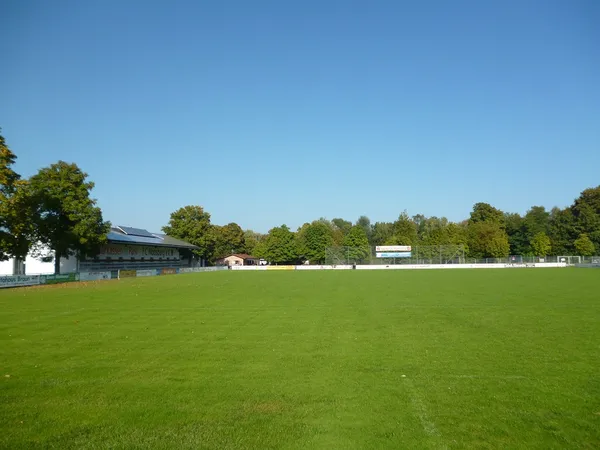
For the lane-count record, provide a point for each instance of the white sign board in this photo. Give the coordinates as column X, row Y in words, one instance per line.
column 116, row 251
column 146, row 273
column 91, row 276
column 19, row 280
column 201, row 269
column 393, row 248
column 393, row 254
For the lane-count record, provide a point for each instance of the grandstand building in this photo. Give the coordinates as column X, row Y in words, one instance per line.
column 127, row 248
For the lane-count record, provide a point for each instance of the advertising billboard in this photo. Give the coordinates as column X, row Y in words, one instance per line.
column 281, row 267
column 127, row 273
column 19, row 280
column 56, row 279
column 92, row 276
column 393, row 248
column 394, row 254
column 137, row 252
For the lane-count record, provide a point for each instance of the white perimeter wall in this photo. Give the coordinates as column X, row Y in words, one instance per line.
column 459, row 266
column 403, row 267
column 68, row 265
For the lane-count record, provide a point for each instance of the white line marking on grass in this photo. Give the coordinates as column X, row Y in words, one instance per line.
column 495, row 377
column 417, row 402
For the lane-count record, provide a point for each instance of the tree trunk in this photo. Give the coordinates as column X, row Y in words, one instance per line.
column 57, row 262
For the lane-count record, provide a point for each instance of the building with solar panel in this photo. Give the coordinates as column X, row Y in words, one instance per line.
column 127, row 248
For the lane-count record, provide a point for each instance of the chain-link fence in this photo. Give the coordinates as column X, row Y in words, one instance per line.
column 347, row 255
column 589, row 261
column 437, row 254
column 424, row 254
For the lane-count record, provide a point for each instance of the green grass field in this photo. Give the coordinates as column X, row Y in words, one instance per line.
column 318, row 360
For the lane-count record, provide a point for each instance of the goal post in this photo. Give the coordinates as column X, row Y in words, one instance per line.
column 570, row 260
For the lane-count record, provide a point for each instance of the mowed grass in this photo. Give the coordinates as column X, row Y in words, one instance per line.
column 319, row 360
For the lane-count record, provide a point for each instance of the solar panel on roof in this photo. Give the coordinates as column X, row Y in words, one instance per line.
column 136, row 232
column 129, row 239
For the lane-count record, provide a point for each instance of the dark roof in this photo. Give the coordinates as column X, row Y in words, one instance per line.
column 160, row 240
column 173, row 242
column 135, row 231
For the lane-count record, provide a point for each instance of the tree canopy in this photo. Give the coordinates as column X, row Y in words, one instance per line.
column 540, row 244
column 343, row 225
column 586, row 212
column 16, row 208
column 227, row 239
column 313, row 240
column 192, row 224
column 484, row 212
column 365, row 223
column 405, row 231
column 252, row 239
column 584, row 245
column 67, row 220
column 487, row 239
column 279, row 246
column 357, row 243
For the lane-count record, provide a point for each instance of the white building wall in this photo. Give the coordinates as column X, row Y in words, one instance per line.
column 6, row 267
column 34, row 266
column 69, row 265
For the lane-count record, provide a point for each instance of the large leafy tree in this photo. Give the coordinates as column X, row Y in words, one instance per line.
column 357, row 243
column 562, row 231
column 228, row 239
column 313, row 240
column 343, row 225
column 16, row 227
column 457, row 233
column 540, row 244
column 340, row 229
column 432, row 230
column 487, row 236
column 8, row 177
column 420, row 221
column 405, row 231
column 279, row 246
column 584, row 246
column 382, row 232
column 586, row 212
column 192, row 224
column 484, row 212
column 252, row 239
column 517, row 234
column 487, row 240
column 537, row 220
column 66, row 219
column 439, row 238
column 365, row 223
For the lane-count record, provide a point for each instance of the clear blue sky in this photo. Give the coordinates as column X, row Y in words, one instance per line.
column 271, row 112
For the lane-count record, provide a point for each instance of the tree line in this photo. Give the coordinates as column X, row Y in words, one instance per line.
column 53, row 209
column 487, row 233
